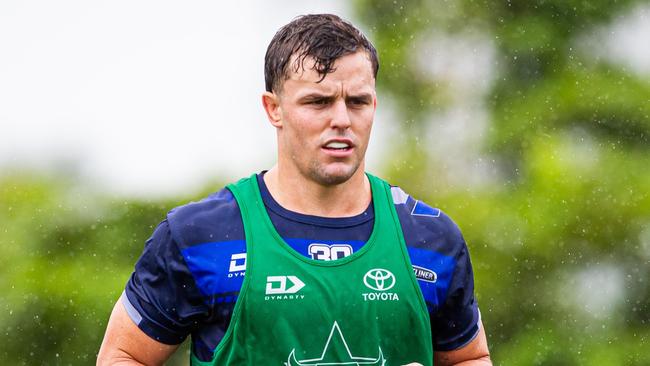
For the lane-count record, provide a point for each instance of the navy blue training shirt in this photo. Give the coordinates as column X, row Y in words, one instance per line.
column 192, row 268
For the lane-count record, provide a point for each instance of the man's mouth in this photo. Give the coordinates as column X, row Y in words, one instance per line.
column 335, row 145
column 338, row 146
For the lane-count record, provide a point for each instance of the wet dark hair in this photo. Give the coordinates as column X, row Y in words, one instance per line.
column 322, row 37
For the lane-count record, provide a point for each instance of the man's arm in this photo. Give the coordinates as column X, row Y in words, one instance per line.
column 125, row 344
column 475, row 353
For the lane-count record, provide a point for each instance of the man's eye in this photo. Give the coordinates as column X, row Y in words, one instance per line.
column 358, row 102
column 319, row 101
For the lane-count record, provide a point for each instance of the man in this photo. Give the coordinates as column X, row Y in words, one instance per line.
column 313, row 262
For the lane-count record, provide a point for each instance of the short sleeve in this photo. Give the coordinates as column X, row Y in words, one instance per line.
column 457, row 321
column 161, row 296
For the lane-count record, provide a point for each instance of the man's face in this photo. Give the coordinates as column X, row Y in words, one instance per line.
column 324, row 127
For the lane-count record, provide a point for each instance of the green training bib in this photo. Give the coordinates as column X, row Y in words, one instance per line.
column 363, row 309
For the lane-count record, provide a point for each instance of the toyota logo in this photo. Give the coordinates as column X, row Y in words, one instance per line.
column 379, row 279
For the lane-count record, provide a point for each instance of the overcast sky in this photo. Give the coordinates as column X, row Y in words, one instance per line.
column 155, row 97
column 147, row 96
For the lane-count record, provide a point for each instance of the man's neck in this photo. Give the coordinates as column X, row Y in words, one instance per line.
column 299, row 194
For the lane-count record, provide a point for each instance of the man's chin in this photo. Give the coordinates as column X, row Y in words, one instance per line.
column 334, row 175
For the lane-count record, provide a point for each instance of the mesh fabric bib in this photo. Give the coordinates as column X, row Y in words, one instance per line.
column 363, row 309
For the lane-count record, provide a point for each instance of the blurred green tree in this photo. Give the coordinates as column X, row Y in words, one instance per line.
column 560, row 234
column 65, row 256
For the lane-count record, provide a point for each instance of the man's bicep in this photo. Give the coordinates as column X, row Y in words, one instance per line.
column 473, row 353
column 125, row 344
column 457, row 320
column 161, row 295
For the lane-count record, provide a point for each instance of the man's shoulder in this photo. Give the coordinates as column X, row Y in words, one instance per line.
column 215, row 218
column 425, row 226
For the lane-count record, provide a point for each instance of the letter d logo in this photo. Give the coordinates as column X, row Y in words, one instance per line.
column 278, row 285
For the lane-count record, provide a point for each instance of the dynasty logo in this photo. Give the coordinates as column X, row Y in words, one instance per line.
column 277, row 288
column 380, row 280
column 237, row 265
column 336, row 344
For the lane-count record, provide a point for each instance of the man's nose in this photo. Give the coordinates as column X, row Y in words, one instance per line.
column 340, row 115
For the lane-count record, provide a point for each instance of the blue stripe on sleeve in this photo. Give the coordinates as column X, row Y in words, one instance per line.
column 422, row 209
column 434, row 292
column 217, row 267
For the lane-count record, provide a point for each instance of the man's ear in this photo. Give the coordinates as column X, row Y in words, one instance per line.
column 271, row 103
